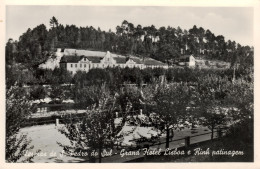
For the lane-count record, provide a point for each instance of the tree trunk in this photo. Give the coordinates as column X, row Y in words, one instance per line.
column 92, row 159
column 113, row 131
column 212, row 132
column 234, row 74
column 99, row 153
column 167, row 137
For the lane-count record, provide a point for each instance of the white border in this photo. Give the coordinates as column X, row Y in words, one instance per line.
column 220, row 3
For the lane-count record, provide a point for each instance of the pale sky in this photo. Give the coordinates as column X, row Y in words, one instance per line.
column 234, row 23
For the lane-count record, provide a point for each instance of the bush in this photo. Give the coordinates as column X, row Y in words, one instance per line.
column 38, row 92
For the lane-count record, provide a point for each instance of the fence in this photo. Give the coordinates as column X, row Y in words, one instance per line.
column 186, row 140
column 53, row 119
column 48, row 120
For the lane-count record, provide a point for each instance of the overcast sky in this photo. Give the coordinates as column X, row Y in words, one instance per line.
column 235, row 23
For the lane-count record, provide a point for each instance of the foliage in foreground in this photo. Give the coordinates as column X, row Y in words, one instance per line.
column 18, row 109
column 216, row 99
column 94, row 131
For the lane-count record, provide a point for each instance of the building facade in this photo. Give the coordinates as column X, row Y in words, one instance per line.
column 90, row 60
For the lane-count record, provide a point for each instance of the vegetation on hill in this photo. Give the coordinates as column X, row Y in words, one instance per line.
column 36, row 45
column 164, row 43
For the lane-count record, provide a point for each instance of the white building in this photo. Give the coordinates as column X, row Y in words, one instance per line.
column 52, row 62
column 187, row 60
column 73, row 62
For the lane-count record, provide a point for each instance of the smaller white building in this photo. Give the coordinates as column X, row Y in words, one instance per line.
column 52, row 62
column 187, row 60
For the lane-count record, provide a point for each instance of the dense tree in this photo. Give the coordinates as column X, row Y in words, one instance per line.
column 32, row 50
column 53, row 22
column 18, row 75
column 212, row 93
column 94, row 131
column 18, row 109
column 57, row 92
column 170, row 103
column 241, row 98
column 11, row 51
column 129, row 95
column 38, row 93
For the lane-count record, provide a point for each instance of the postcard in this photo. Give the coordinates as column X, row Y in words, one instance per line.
column 153, row 84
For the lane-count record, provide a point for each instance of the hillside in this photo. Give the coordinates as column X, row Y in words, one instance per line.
column 36, row 45
column 212, row 64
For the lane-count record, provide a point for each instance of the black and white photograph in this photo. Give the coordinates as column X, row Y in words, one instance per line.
column 129, row 84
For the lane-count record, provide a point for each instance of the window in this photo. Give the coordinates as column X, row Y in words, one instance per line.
column 71, row 65
column 76, row 65
column 84, row 65
column 80, row 65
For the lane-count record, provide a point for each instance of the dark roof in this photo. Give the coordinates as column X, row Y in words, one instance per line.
column 136, row 60
column 150, row 61
column 120, row 60
column 70, row 59
column 185, row 56
column 94, row 59
column 76, row 59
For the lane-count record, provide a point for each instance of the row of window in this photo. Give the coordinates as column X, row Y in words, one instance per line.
column 103, row 66
column 76, row 65
column 80, row 65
